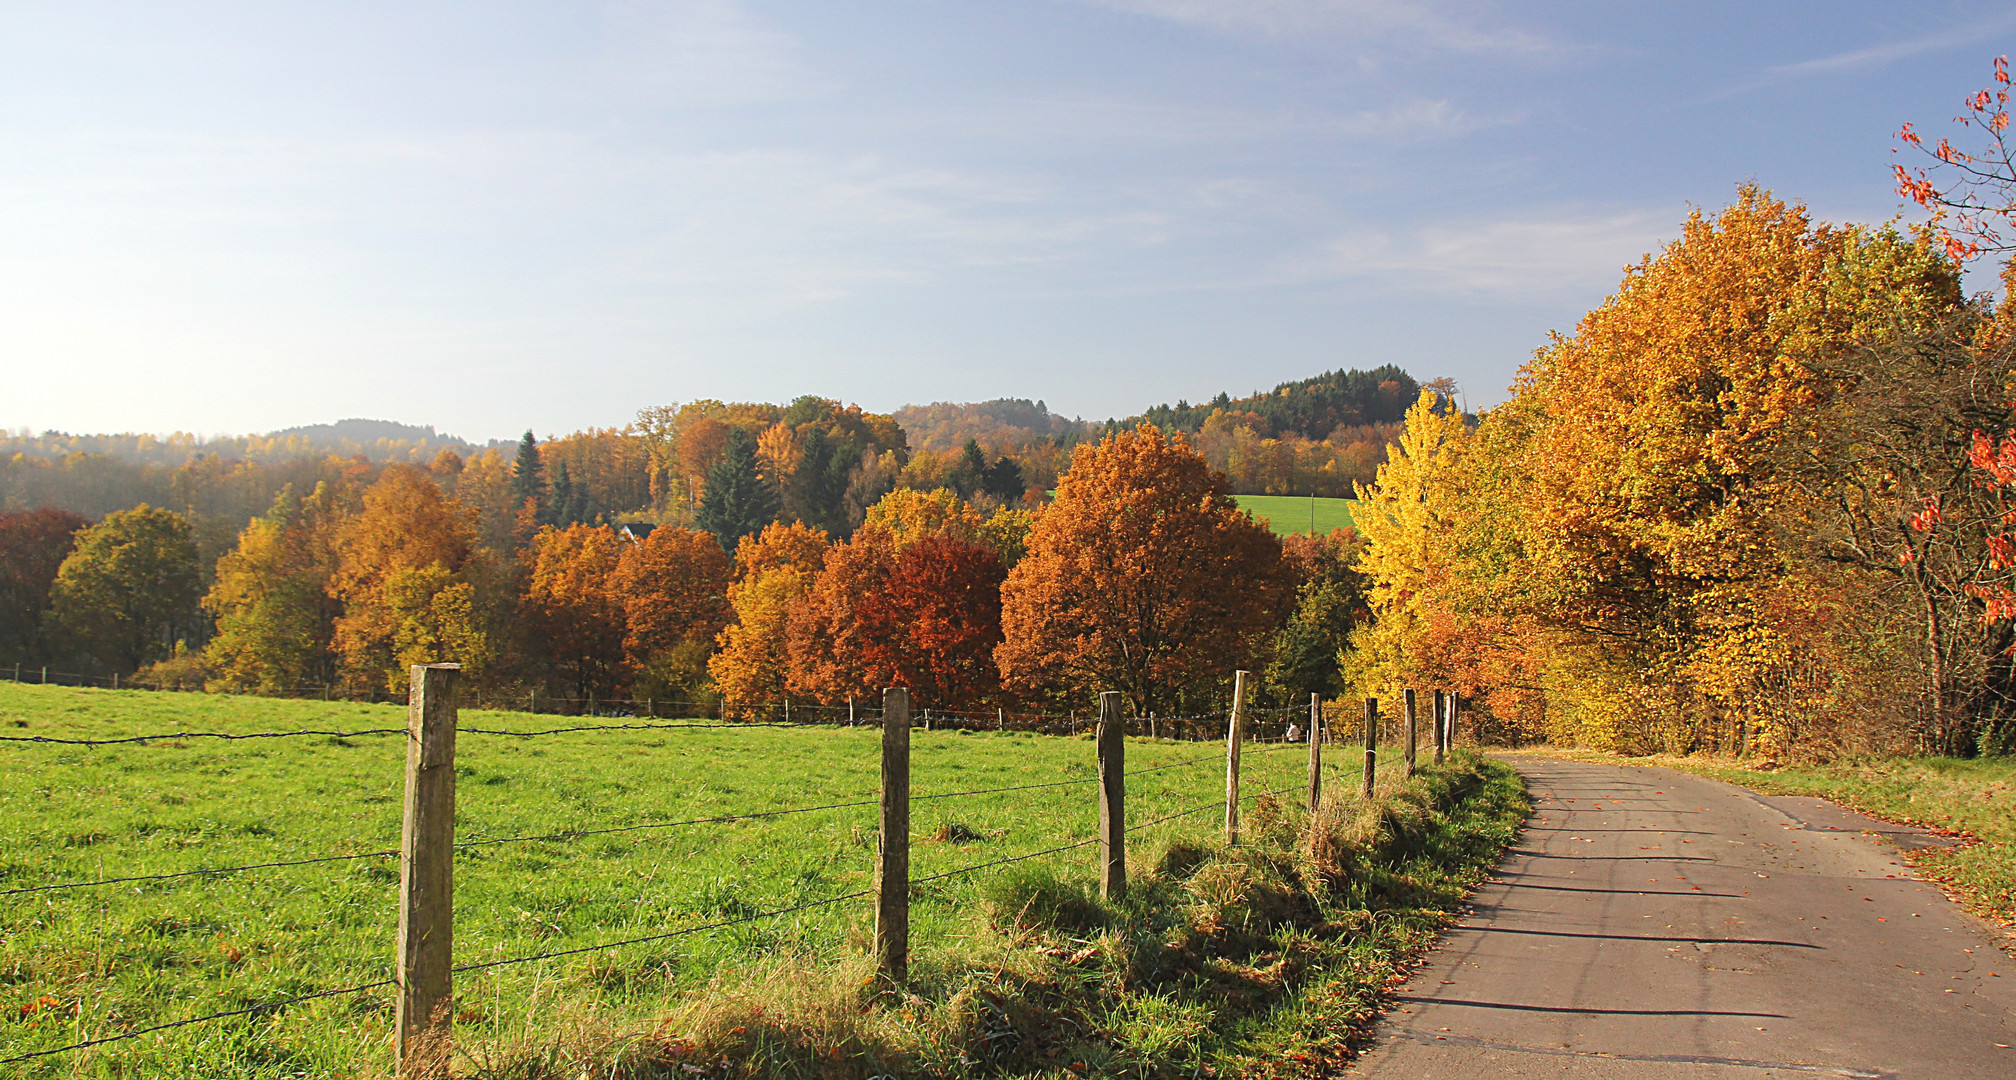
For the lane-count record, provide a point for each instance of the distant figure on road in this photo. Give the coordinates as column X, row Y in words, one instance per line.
column 1294, row 733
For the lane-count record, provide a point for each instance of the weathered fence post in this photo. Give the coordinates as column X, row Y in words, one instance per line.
column 850, row 712
column 1371, row 743
column 1000, row 718
column 1413, row 730
column 1234, row 735
column 1112, row 743
column 1315, row 737
column 1439, row 726
column 892, row 846
column 426, row 874
column 1453, row 707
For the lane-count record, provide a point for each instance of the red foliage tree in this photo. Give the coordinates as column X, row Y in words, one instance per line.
column 926, row 615
column 33, row 544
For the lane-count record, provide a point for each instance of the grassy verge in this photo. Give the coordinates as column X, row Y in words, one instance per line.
column 1973, row 798
column 1269, row 959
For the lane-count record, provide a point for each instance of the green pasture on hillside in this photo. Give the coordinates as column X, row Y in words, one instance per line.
column 1289, row 515
column 91, row 962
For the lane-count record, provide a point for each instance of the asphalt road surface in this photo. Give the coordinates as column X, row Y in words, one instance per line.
column 1651, row 924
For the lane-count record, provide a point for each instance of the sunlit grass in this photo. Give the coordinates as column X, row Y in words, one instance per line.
column 1289, row 515
column 90, row 962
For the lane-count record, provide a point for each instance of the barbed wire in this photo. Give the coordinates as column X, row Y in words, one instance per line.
column 122, row 1036
column 661, row 937
column 200, row 735
column 197, row 873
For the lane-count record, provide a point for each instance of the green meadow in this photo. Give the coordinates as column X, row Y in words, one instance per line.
column 82, row 963
column 1289, row 515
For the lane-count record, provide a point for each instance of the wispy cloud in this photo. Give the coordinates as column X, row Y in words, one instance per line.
column 702, row 52
column 1361, row 19
column 1578, row 253
column 1879, row 55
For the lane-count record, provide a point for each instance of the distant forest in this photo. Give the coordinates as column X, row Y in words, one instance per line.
column 1315, row 436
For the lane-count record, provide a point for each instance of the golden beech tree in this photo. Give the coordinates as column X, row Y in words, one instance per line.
column 275, row 617
column 580, row 619
column 404, row 570
column 1630, row 552
column 772, row 569
column 1143, row 576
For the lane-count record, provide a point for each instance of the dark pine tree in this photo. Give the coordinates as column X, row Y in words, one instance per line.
column 739, row 499
column 559, row 509
column 528, row 476
column 1003, row 480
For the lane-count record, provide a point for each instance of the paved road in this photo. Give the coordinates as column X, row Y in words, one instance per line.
column 1653, row 925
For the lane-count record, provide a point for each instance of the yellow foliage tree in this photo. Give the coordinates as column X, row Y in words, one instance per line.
column 772, row 569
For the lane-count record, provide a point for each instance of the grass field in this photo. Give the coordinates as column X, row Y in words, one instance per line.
column 1976, row 797
column 1288, row 515
column 88, row 962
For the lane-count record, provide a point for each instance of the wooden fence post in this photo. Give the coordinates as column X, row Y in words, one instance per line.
column 892, row 847
column 1112, row 743
column 1315, row 737
column 1234, row 735
column 1438, row 726
column 1371, row 743
column 1413, row 730
column 426, row 874
column 1453, row 707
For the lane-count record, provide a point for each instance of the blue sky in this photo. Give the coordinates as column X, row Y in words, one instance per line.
column 492, row 216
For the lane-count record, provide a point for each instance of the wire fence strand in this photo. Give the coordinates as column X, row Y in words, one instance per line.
column 661, row 937
column 172, row 736
column 124, row 1035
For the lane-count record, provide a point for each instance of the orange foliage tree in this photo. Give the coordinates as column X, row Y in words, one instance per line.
column 1144, row 576
column 581, row 621
column 772, row 569
column 673, row 587
column 404, row 571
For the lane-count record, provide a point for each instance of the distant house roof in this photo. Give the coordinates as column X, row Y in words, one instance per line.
column 636, row 532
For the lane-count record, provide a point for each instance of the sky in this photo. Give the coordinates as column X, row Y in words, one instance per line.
column 237, row 217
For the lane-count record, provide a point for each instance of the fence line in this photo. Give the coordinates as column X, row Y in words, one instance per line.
column 434, row 725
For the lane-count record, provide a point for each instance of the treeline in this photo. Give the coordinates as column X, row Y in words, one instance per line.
column 1750, row 505
column 1142, row 575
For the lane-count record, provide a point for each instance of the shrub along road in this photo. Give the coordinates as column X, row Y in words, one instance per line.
column 1652, row 924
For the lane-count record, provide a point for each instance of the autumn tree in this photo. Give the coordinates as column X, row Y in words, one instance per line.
column 407, row 574
column 1143, row 576
column 127, row 592
column 33, row 545
column 1971, row 192
column 772, row 569
column 673, row 587
column 578, row 616
column 1330, row 602
column 276, row 620
column 914, row 599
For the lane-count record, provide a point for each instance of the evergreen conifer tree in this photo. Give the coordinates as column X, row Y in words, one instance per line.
column 739, row 499
column 559, row 510
column 528, row 477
